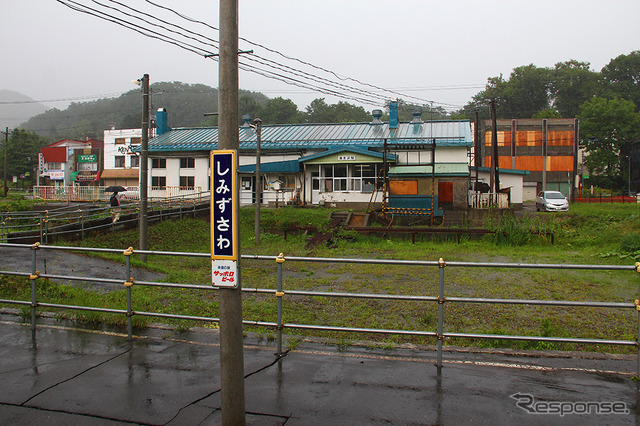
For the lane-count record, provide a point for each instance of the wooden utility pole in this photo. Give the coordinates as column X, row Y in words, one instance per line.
column 231, row 343
column 144, row 166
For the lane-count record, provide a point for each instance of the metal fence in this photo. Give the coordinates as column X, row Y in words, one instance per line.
column 607, row 199
column 82, row 218
column 97, row 193
column 439, row 299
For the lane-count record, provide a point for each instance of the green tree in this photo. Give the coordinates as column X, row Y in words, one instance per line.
column 621, row 77
column 319, row 112
column 523, row 95
column 572, row 84
column 607, row 127
column 22, row 154
column 280, row 111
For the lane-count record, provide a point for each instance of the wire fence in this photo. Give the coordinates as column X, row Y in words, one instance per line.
column 440, row 299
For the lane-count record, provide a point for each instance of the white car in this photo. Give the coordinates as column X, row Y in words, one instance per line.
column 552, row 201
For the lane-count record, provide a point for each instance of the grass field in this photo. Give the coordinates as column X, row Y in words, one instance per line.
column 588, row 234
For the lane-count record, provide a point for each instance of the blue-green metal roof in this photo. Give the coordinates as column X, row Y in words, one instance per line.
column 507, row 171
column 318, row 136
column 335, row 150
column 290, row 166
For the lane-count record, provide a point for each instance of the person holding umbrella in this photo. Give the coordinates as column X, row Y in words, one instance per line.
column 114, row 201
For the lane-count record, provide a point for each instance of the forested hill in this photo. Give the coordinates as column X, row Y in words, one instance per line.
column 186, row 104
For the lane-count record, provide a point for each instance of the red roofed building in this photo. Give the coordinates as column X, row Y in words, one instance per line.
column 70, row 162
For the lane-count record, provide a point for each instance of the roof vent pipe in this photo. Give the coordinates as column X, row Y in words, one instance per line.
column 162, row 125
column 417, row 116
column 377, row 113
column 393, row 114
column 247, row 120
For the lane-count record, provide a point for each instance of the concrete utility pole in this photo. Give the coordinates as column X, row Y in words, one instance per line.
column 258, row 123
column 231, row 344
column 144, row 166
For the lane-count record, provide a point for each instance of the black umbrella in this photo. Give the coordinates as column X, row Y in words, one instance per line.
column 115, row 188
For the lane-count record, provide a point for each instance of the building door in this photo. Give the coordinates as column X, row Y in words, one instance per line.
column 445, row 192
column 315, row 187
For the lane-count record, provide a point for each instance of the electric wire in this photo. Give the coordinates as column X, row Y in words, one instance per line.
column 282, row 72
column 261, row 60
column 299, row 60
column 143, row 31
column 247, row 67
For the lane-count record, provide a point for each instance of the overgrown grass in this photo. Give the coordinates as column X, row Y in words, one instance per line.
column 588, row 234
column 15, row 201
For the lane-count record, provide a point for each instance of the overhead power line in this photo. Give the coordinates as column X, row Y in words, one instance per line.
column 107, row 95
column 152, row 26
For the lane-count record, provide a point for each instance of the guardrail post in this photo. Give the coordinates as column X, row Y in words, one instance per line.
column 34, row 276
column 81, row 223
column 279, row 294
column 441, row 300
column 46, row 227
column 128, row 283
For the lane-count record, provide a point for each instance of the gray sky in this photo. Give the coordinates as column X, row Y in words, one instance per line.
column 441, row 51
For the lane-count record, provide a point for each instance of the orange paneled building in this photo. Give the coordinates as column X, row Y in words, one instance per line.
column 546, row 148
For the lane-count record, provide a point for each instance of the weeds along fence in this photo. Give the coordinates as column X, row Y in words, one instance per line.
column 439, row 299
column 77, row 220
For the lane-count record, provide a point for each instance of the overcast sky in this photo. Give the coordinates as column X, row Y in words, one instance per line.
column 441, row 51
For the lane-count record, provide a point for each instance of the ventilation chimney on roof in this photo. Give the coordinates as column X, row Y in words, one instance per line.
column 417, row 116
column 162, row 125
column 393, row 114
column 247, row 120
column 377, row 113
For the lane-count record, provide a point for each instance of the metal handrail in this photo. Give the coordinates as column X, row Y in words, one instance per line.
column 440, row 299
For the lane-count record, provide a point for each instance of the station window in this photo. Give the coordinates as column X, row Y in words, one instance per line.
column 158, row 163
column 159, row 182
column 187, row 163
column 187, row 182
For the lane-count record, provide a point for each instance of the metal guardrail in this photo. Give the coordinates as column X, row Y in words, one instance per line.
column 84, row 218
column 97, row 193
column 440, row 299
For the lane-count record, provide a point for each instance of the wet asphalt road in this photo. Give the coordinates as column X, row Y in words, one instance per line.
column 66, row 375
